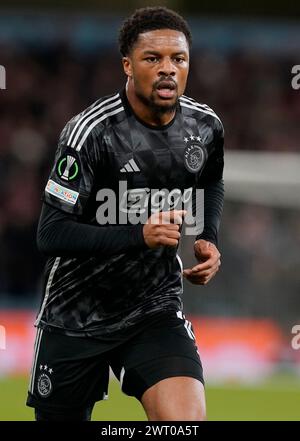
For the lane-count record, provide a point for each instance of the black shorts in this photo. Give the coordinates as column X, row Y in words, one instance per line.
column 72, row 373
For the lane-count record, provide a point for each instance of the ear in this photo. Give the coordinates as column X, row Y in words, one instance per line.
column 127, row 66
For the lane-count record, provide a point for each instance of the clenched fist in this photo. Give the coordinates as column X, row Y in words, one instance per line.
column 163, row 228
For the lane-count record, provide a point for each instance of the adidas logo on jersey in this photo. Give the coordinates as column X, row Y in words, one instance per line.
column 130, row 167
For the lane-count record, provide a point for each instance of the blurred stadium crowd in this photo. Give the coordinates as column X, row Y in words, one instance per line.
column 252, row 94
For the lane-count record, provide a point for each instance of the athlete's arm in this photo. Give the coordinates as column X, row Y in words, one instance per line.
column 205, row 246
column 213, row 207
column 60, row 234
column 61, row 230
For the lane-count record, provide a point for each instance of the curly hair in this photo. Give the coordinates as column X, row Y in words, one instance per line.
column 150, row 19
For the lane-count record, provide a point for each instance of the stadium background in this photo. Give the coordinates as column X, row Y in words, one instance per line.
column 58, row 59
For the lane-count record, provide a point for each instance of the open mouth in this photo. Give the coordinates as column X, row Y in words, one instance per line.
column 166, row 89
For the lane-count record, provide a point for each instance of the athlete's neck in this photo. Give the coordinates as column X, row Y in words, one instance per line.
column 145, row 113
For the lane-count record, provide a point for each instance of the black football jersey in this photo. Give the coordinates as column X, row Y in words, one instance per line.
column 102, row 151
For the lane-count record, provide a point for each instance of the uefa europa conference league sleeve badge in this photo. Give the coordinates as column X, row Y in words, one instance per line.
column 68, row 168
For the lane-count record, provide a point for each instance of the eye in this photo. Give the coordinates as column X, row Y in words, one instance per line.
column 151, row 59
column 179, row 60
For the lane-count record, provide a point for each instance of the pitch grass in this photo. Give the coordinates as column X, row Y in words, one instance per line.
column 277, row 399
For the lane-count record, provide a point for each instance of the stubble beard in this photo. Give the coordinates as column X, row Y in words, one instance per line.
column 157, row 109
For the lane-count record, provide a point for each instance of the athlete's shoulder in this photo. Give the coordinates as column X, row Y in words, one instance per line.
column 91, row 120
column 191, row 107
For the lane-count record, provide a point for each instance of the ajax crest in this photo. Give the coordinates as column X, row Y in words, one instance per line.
column 195, row 154
column 44, row 384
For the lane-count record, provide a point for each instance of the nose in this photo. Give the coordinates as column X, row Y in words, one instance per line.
column 166, row 67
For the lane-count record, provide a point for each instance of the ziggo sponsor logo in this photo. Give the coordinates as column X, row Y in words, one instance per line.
column 136, row 205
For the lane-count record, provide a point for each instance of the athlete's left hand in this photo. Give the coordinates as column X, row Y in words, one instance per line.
column 209, row 257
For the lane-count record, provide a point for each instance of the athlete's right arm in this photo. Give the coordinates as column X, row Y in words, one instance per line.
column 71, row 185
column 60, row 234
column 69, row 188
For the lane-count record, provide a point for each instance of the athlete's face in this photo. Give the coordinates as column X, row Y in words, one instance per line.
column 157, row 68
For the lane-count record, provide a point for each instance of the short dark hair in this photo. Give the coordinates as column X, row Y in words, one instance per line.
column 150, row 19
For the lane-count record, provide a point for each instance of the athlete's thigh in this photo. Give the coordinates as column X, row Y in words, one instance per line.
column 165, row 349
column 68, row 373
column 179, row 398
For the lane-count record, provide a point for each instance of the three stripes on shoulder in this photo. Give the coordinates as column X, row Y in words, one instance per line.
column 82, row 129
column 190, row 103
